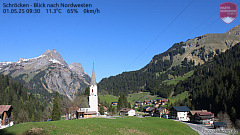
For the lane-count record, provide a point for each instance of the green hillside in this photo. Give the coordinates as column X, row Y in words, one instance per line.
column 180, row 97
column 141, row 97
column 215, row 85
column 131, row 97
column 108, row 98
column 178, row 60
column 125, row 125
column 180, row 78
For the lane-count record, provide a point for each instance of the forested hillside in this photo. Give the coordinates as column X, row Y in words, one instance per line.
column 177, row 61
column 26, row 107
column 215, row 86
column 150, row 77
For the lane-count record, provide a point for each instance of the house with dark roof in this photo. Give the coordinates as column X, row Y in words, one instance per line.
column 180, row 113
column 220, row 125
column 138, row 104
column 149, row 110
column 5, row 115
column 162, row 112
column 114, row 103
column 127, row 112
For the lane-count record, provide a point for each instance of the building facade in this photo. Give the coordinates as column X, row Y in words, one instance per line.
column 92, row 111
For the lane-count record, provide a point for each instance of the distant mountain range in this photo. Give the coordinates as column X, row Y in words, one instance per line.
column 48, row 73
column 176, row 61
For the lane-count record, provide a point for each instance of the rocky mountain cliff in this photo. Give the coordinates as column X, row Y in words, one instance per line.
column 48, row 72
column 203, row 48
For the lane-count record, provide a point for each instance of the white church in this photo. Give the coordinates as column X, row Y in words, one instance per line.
column 92, row 111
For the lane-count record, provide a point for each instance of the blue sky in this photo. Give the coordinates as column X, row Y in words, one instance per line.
column 123, row 37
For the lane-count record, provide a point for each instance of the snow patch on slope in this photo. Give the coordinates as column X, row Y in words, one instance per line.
column 55, row 61
column 6, row 63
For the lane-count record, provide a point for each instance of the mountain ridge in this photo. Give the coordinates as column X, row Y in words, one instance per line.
column 49, row 72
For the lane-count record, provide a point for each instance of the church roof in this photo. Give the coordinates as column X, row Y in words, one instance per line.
column 93, row 79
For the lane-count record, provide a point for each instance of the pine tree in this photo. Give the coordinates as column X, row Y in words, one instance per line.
column 102, row 110
column 87, row 91
column 56, row 112
column 120, row 103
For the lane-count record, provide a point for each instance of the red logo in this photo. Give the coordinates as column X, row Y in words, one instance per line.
column 228, row 12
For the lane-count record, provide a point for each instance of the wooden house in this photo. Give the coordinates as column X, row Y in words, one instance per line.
column 149, row 110
column 139, row 92
column 127, row 112
column 137, row 104
column 85, row 113
column 145, row 102
column 202, row 117
column 220, row 125
column 5, row 114
column 114, row 103
column 71, row 111
column 162, row 112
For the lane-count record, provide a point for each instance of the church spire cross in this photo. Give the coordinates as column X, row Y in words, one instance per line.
column 93, row 79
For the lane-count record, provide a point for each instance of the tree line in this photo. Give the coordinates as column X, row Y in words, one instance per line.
column 215, row 85
column 26, row 106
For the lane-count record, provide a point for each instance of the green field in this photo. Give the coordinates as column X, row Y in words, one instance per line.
column 131, row 97
column 108, row 98
column 123, row 125
column 181, row 96
column 177, row 79
column 141, row 97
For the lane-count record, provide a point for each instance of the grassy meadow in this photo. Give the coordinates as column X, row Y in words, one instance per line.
column 181, row 96
column 122, row 125
column 180, row 78
column 108, row 98
column 131, row 97
column 141, row 97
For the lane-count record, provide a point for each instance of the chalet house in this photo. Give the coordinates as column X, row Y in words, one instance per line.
column 71, row 112
column 127, row 111
column 139, row 92
column 149, row 110
column 85, row 113
column 180, row 113
column 202, row 117
column 146, row 101
column 158, row 100
column 149, row 103
column 162, row 112
column 138, row 104
column 5, row 115
column 114, row 103
column 165, row 100
column 220, row 125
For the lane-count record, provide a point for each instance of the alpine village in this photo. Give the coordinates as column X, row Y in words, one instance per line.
column 192, row 88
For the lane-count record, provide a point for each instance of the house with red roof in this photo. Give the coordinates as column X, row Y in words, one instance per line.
column 5, row 115
column 202, row 117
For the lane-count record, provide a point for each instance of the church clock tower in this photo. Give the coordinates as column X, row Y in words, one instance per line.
column 93, row 97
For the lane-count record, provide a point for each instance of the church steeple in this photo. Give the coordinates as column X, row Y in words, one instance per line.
column 93, row 79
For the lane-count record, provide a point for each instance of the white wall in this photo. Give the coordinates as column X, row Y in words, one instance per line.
column 93, row 90
column 131, row 113
column 182, row 116
column 93, row 98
